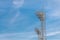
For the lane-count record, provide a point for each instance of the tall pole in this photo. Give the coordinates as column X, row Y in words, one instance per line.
column 42, row 31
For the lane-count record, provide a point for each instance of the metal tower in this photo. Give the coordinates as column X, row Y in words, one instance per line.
column 41, row 33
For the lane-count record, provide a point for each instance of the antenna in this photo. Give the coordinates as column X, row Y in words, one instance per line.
column 42, row 31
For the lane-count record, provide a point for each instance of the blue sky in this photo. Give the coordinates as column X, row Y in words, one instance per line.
column 18, row 19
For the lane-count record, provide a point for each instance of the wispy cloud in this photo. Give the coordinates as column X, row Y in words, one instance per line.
column 18, row 3
column 53, row 33
column 23, row 35
column 55, row 14
column 17, row 36
column 53, row 8
column 15, row 17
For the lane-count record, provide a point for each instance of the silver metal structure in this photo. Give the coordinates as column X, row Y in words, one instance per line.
column 42, row 32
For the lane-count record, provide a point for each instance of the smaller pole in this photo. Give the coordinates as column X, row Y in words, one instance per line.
column 38, row 33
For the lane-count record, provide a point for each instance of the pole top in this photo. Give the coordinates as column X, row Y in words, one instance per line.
column 40, row 15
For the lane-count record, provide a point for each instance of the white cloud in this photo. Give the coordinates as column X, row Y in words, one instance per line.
column 17, row 36
column 53, row 33
column 54, row 14
column 53, row 8
column 23, row 35
column 18, row 3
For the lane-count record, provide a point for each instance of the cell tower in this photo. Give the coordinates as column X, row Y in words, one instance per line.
column 41, row 33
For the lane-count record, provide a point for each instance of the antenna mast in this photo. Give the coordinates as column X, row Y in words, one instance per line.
column 41, row 33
